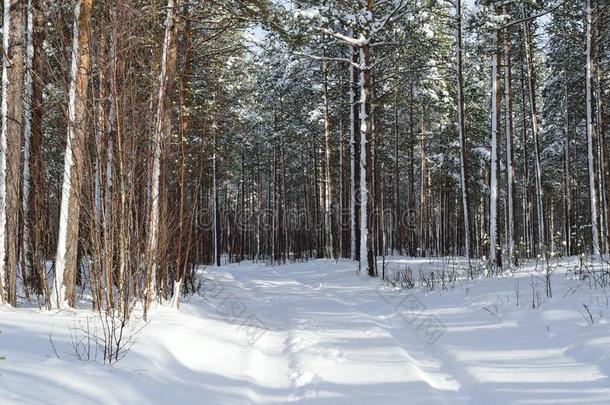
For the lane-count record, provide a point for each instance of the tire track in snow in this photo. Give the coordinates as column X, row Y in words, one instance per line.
column 308, row 345
column 276, row 316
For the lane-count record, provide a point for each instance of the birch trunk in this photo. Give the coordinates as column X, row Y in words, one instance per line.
column 66, row 264
column 365, row 129
column 26, row 254
column 160, row 134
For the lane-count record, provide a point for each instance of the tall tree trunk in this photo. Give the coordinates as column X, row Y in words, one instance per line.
column 412, row 226
column 510, row 162
column 116, row 140
column 462, row 128
column 352, row 153
column 98, row 233
column 37, row 196
column 10, row 146
column 26, row 248
column 66, row 263
column 397, row 234
column 494, row 251
column 283, row 197
column 341, row 217
column 424, row 204
column 602, row 154
column 215, row 199
column 366, row 260
column 327, row 168
column 529, row 54
column 182, row 254
column 160, row 134
column 567, row 198
column 527, row 238
column 591, row 145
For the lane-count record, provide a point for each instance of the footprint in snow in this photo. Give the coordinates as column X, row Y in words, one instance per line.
column 299, row 344
column 305, row 384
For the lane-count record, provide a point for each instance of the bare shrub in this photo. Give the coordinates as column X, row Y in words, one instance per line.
column 108, row 336
column 401, row 277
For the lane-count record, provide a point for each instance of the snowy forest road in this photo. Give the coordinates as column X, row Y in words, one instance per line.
column 320, row 333
column 335, row 335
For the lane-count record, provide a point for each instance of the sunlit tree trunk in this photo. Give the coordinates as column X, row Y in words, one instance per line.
column 352, row 153
column 591, row 145
column 494, row 252
column 66, row 264
column 327, row 168
column 567, row 198
column 529, row 54
column 366, row 259
column 215, row 198
column 181, row 256
column 510, row 162
column 160, row 134
column 36, row 212
column 10, row 146
column 462, row 127
column 26, row 253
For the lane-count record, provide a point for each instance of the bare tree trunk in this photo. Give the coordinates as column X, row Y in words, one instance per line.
column 286, row 247
column 66, row 263
column 341, row 217
column 26, row 249
column 424, row 204
column 602, row 166
column 567, row 199
column 10, row 146
column 160, row 134
column 182, row 254
column 510, row 162
column 99, row 231
column 37, row 196
column 462, row 128
column 411, row 225
column 352, row 151
column 591, row 145
column 365, row 132
column 526, row 205
column 534, row 122
column 327, row 168
column 397, row 231
column 494, row 252
column 215, row 200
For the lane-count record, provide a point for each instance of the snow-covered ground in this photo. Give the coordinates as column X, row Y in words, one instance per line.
column 318, row 332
